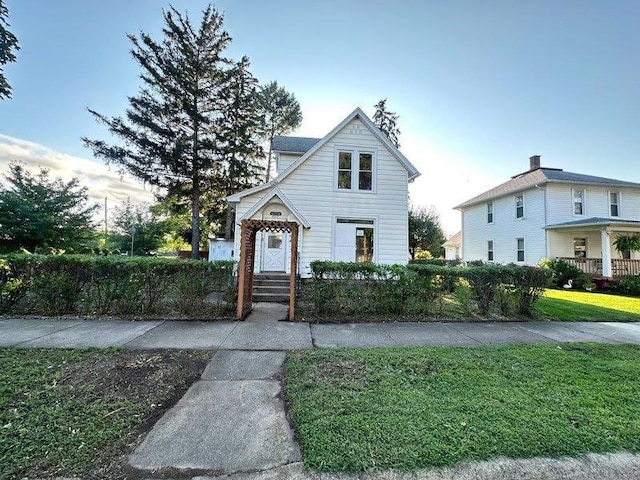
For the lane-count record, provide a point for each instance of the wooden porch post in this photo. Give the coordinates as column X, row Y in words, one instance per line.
column 241, row 271
column 294, row 270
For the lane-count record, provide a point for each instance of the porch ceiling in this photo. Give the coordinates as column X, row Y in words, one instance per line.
column 598, row 223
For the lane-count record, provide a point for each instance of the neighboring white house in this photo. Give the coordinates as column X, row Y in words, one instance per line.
column 453, row 247
column 347, row 191
column 550, row 213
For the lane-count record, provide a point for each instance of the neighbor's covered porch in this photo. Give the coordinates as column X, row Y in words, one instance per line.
column 589, row 244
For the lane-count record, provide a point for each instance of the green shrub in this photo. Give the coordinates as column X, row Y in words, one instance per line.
column 630, row 286
column 563, row 271
column 83, row 284
column 343, row 288
column 12, row 286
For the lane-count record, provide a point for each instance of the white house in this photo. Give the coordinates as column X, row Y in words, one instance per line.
column 550, row 213
column 347, row 191
column 453, row 247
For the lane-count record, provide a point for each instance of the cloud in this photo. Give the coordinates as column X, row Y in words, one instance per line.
column 100, row 181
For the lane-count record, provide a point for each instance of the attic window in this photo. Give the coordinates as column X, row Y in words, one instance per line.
column 355, row 169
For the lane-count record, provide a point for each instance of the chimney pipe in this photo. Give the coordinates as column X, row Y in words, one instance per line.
column 534, row 162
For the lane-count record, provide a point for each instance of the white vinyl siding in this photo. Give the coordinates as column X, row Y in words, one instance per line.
column 597, row 203
column 311, row 189
column 505, row 229
column 284, row 160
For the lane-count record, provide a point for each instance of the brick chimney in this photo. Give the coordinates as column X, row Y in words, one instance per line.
column 534, row 162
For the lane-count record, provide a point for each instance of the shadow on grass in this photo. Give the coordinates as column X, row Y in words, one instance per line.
column 572, row 311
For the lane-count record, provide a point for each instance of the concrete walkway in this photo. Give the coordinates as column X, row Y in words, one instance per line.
column 261, row 331
column 232, row 422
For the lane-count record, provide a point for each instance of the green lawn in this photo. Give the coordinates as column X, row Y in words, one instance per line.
column 571, row 305
column 374, row 409
column 78, row 413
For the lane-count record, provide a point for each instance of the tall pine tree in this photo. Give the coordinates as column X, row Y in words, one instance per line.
column 280, row 112
column 174, row 135
column 387, row 122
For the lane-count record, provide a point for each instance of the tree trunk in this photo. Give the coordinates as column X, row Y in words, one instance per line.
column 195, row 220
column 228, row 226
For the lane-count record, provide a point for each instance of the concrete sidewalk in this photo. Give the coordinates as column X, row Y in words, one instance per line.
column 262, row 332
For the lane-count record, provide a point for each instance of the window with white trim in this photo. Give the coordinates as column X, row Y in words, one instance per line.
column 490, row 212
column 614, row 204
column 355, row 170
column 580, row 247
column 520, row 206
column 490, row 250
column 578, row 201
column 520, row 249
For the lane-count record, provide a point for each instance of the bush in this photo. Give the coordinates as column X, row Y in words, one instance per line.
column 630, row 286
column 563, row 271
column 420, row 288
column 83, row 284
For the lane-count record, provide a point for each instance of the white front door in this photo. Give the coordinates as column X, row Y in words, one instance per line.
column 274, row 252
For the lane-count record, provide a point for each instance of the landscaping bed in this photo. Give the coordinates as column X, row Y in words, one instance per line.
column 376, row 409
column 82, row 412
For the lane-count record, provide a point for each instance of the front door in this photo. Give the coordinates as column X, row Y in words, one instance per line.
column 274, row 252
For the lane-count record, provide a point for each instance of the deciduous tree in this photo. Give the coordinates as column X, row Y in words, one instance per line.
column 425, row 231
column 8, row 47
column 38, row 212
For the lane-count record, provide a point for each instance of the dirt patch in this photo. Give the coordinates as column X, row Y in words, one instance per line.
column 154, row 380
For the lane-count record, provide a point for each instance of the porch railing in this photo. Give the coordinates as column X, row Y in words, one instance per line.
column 593, row 266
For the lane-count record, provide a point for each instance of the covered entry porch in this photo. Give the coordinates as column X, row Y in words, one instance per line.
column 589, row 244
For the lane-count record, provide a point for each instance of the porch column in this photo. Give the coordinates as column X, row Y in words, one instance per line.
column 607, row 271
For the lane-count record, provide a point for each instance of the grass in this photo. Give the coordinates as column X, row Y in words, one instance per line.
column 571, row 305
column 76, row 412
column 374, row 409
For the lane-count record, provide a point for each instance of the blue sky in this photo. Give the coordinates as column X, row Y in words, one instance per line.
column 479, row 86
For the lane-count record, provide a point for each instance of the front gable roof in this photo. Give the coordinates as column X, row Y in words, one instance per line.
column 539, row 177
column 276, row 193
column 357, row 113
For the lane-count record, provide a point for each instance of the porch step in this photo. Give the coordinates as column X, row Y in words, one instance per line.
column 271, row 287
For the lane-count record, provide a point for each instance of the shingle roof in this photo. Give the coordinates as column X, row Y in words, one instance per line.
column 283, row 143
column 594, row 221
column 454, row 241
column 543, row 176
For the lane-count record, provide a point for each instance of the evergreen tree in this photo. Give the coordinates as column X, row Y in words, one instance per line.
column 281, row 114
column 37, row 212
column 387, row 122
column 175, row 132
column 8, row 45
column 425, row 232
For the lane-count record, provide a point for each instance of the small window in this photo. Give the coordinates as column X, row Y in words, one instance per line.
column 578, row 202
column 490, row 212
column 520, row 249
column 614, row 204
column 490, row 250
column 520, row 206
column 365, row 171
column 274, row 240
column 344, row 170
column 580, row 247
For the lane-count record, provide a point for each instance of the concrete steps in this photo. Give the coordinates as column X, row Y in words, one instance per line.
column 271, row 287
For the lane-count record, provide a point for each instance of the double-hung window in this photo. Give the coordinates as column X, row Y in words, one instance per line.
column 614, row 204
column 355, row 170
column 490, row 250
column 578, row 201
column 490, row 212
column 520, row 249
column 520, row 206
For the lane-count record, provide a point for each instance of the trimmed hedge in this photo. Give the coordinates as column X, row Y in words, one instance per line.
column 84, row 284
column 344, row 288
